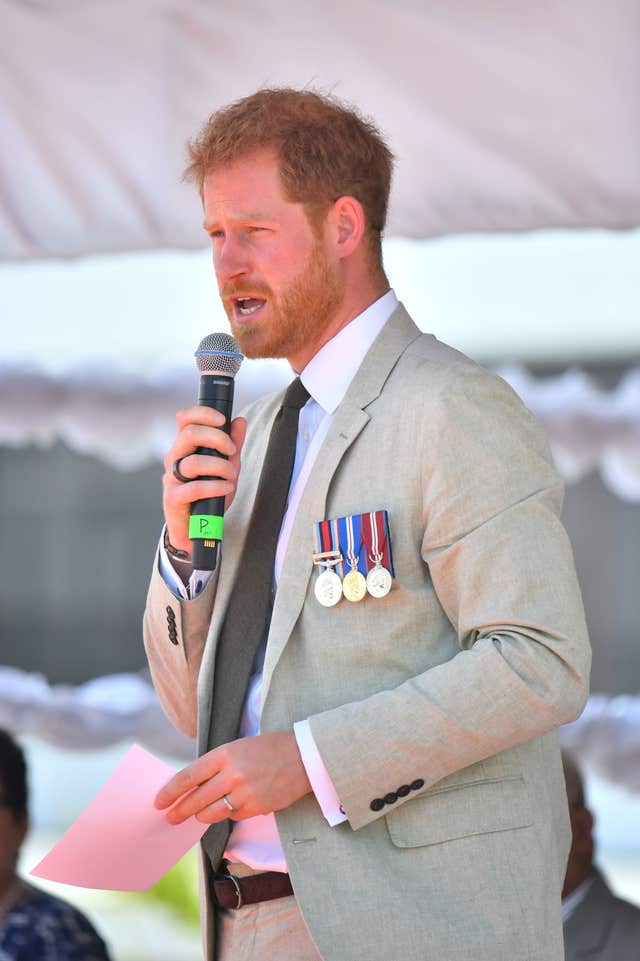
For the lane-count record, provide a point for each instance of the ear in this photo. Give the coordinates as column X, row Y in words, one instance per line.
column 348, row 225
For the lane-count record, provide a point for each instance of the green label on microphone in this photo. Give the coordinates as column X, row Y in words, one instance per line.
column 206, row 527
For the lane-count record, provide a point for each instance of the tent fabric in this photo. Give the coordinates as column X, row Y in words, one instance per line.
column 120, row 707
column 129, row 421
column 99, row 712
column 606, row 738
column 502, row 116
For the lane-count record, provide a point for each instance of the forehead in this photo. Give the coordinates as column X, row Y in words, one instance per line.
column 248, row 186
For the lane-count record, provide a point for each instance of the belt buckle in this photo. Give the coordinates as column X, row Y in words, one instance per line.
column 236, row 884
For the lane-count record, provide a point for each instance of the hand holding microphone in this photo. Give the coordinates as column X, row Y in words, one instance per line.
column 206, row 453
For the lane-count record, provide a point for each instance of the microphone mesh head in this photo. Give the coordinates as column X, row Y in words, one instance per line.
column 219, row 354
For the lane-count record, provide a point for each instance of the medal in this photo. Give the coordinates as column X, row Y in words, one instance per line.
column 354, row 586
column 379, row 579
column 328, row 586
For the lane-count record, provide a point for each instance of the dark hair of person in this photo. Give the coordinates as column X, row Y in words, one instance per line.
column 325, row 150
column 13, row 776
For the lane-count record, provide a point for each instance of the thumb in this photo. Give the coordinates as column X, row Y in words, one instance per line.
column 238, row 433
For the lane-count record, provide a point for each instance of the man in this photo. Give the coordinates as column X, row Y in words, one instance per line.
column 34, row 926
column 406, row 742
column 597, row 924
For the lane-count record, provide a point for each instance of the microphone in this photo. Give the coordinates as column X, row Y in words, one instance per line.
column 218, row 359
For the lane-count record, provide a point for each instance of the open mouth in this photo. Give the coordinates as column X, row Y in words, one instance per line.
column 247, row 306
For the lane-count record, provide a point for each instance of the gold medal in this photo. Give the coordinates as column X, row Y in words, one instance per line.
column 378, row 581
column 354, row 586
column 328, row 588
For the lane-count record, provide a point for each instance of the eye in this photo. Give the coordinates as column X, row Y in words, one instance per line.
column 216, row 234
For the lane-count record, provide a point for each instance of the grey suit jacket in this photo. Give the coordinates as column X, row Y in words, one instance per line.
column 452, row 685
column 603, row 927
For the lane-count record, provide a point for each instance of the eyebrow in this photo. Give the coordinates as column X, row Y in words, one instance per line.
column 250, row 215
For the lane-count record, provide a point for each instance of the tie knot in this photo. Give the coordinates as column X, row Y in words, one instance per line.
column 296, row 395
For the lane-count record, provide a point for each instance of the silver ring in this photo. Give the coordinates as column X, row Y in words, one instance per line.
column 175, row 470
column 229, row 804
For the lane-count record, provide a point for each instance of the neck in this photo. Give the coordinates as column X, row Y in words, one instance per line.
column 355, row 302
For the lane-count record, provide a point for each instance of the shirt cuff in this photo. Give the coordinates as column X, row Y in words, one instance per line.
column 198, row 580
column 318, row 775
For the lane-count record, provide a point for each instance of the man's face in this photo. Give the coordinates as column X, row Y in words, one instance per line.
column 278, row 282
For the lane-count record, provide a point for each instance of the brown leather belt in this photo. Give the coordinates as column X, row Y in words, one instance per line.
column 230, row 891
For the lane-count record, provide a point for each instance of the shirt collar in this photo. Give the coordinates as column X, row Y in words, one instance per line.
column 329, row 373
column 571, row 901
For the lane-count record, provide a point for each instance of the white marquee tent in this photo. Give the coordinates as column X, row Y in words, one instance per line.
column 503, row 116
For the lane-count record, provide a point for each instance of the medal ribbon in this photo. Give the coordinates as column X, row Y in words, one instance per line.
column 349, row 535
column 375, row 533
column 370, row 530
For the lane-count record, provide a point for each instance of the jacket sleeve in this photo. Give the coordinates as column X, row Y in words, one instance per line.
column 175, row 633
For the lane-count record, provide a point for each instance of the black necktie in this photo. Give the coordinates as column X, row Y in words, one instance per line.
column 249, row 608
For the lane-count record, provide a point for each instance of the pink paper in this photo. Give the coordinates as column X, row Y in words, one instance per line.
column 121, row 842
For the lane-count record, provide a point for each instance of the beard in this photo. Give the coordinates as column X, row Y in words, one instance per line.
column 298, row 316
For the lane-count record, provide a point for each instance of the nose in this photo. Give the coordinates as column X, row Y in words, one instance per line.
column 230, row 259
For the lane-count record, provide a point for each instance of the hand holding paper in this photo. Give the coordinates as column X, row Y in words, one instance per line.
column 257, row 775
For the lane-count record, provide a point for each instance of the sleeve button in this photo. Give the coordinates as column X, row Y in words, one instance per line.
column 403, row 790
column 377, row 804
column 390, row 798
column 417, row 784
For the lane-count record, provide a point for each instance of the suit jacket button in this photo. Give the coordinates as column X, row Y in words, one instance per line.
column 170, row 613
column 377, row 804
column 173, row 635
column 403, row 791
column 417, row 784
column 390, row 798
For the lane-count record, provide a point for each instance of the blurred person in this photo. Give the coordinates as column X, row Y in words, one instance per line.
column 380, row 770
column 34, row 926
column 597, row 924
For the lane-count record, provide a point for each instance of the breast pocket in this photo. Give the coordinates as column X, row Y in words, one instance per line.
column 460, row 811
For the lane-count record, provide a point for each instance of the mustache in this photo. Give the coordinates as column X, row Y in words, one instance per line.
column 227, row 291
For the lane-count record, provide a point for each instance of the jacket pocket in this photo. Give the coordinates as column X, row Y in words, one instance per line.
column 461, row 811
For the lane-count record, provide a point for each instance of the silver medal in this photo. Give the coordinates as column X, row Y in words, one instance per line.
column 328, row 589
column 379, row 581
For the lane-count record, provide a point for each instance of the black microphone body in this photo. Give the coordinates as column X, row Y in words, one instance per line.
column 218, row 359
column 216, row 391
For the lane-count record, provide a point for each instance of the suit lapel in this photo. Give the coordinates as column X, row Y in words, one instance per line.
column 349, row 420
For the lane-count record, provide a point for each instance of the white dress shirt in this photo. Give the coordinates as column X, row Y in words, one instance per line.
column 327, row 376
